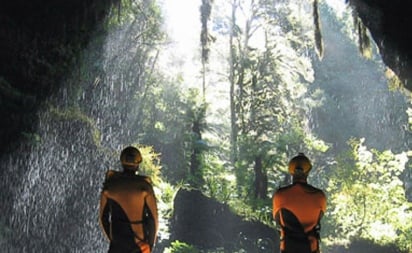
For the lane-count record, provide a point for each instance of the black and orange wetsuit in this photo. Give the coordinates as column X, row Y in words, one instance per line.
column 125, row 199
column 298, row 208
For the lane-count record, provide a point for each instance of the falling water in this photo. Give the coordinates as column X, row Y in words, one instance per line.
column 53, row 204
column 51, row 184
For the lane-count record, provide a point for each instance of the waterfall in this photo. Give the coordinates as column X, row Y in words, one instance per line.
column 54, row 191
column 51, row 183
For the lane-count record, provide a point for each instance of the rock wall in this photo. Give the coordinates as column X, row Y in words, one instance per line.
column 389, row 25
column 208, row 224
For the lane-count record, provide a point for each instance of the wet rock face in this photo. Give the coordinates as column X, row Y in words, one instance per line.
column 208, row 224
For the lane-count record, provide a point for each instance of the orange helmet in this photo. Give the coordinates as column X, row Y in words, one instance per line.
column 130, row 157
column 300, row 163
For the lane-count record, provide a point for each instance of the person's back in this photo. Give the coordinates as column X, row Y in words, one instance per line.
column 297, row 209
column 128, row 212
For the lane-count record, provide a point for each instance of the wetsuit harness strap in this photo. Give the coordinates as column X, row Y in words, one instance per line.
column 136, row 222
column 290, row 225
column 139, row 222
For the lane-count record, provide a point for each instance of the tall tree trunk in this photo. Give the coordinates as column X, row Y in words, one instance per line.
column 195, row 169
column 205, row 11
column 233, row 119
column 261, row 179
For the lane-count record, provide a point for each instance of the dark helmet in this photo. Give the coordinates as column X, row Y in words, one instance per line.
column 300, row 163
column 130, row 157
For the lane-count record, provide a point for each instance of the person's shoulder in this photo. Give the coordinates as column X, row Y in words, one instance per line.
column 283, row 188
column 143, row 181
column 314, row 189
column 111, row 179
column 144, row 178
column 111, row 173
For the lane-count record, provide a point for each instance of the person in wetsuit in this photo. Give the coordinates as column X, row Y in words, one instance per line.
column 128, row 209
column 298, row 209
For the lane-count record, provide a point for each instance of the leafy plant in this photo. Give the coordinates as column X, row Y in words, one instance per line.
column 181, row 247
column 367, row 197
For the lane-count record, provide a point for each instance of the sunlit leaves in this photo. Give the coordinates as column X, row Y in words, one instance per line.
column 181, row 247
column 409, row 112
column 270, row 77
column 150, row 165
column 367, row 198
column 219, row 179
column 146, row 13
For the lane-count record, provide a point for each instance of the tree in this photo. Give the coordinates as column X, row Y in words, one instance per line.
column 269, row 71
column 233, row 33
column 205, row 38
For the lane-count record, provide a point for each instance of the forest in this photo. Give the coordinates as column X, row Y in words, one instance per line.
column 222, row 114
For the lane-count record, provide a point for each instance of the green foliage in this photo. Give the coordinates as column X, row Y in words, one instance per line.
column 219, row 181
column 394, row 83
column 271, row 80
column 253, row 210
column 196, row 117
column 367, row 199
column 165, row 198
column 150, row 165
column 164, row 125
column 181, row 247
column 165, row 193
column 174, row 122
column 145, row 13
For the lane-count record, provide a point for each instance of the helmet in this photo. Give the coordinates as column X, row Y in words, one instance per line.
column 130, row 157
column 300, row 163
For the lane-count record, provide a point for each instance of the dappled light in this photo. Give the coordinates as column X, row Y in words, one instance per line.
column 216, row 134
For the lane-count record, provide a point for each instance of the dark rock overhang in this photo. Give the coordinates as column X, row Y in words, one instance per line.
column 389, row 24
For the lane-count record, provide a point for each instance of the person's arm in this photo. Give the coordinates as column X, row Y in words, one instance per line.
column 152, row 204
column 324, row 203
column 275, row 205
column 104, row 216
